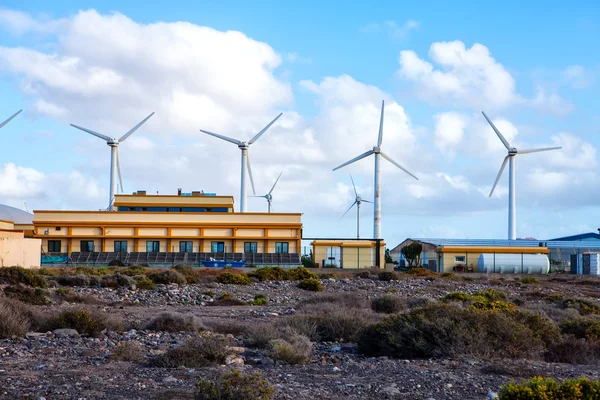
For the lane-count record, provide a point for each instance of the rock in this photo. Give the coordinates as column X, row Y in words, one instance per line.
column 36, row 334
column 65, row 332
column 234, row 360
column 391, row 390
column 169, row 379
column 492, row 395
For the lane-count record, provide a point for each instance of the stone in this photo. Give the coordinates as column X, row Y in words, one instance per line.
column 391, row 390
column 234, row 360
column 169, row 379
column 492, row 395
column 65, row 332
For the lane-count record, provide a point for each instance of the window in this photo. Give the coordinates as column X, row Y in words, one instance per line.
column 120, row 246
column 87, row 246
column 53, row 246
column 185, row 247
column 250, row 247
column 217, row 247
column 152, row 246
column 57, row 228
column 282, row 247
column 459, row 259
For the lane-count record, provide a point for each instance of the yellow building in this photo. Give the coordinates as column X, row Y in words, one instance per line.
column 347, row 253
column 16, row 249
column 191, row 225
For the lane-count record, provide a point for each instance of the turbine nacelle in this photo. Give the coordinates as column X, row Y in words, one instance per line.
column 376, row 150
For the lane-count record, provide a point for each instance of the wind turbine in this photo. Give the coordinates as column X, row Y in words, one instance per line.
column 357, row 201
column 268, row 196
column 377, row 189
column 115, row 163
column 10, row 118
column 510, row 158
column 244, row 146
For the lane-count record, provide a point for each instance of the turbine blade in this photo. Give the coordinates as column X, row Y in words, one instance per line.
column 499, row 175
column 270, row 191
column 367, row 201
column 228, row 139
column 538, row 150
column 91, row 132
column 348, row 209
column 355, row 192
column 135, row 128
column 380, row 139
column 255, row 138
column 363, row 155
column 250, row 171
column 119, row 169
column 397, row 165
column 504, row 141
column 10, row 118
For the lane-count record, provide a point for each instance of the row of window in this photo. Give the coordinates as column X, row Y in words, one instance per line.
column 153, row 246
column 174, row 209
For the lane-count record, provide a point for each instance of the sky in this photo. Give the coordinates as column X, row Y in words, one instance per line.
column 232, row 66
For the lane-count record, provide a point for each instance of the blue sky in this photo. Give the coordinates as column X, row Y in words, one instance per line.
column 533, row 67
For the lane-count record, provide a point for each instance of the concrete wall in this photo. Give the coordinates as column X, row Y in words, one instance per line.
column 20, row 252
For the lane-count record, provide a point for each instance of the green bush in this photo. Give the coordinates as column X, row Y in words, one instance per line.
column 387, row 276
column 457, row 296
column 546, row 388
column 63, row 292
column 485, row 304
column 260, row 300
column 197, row 351
column 492, row 294
column 581, row 328
column 27, row 294
column 300, row 273
column 388, row 304
column 445, row 330
column 168, row 277
column 192, row 275
column 270, row 274
column 528, row 280
column 90, row 271
column 585, row 307
column 18, row 275
column 134, row 271
column 234, row 385
column 82, row 321
column 314, row 285
column 116, row 280
column 143, row 283
column 49, row 272
column 229, row 278
column 73, row 280
column 419, row 271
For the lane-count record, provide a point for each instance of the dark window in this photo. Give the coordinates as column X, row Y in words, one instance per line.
column 185, row 247
column 53, row 246
column 120, row 246
column 152, row 246
column 250, row 247
column 282, row 247
column 57, row 228
column 87, row 245
column 174, row 209
column 218, row 247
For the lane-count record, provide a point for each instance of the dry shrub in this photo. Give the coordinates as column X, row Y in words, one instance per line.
column 15, row 318
column 446, row 330
column 572, row 350
column 175, row 322
column 128, row 351
column 228, row 301
column 228, row 327
column 84, row 321
column 116, row 280
column 167, row 278
column 198, row 351
column 301, row 324
column 282, row 274
column 27, row 294
column 134, row 271
column 91, row 271
column 387, row 276
column 260, row 300
column 585, row 307
column 73, row 280
column 521, row 370
column 389, row 304
column 292, row 349
column 529, row 280
column 345, row 299
column 582, row 328
column 259, row 335
column 18, row 275
column 418, row 271
column 143, row 283
column 313, row 285
column 227, row 278
column 552, row 311
column 191, row 274
column 234, row 385
column 51, row 271
column 371, row 273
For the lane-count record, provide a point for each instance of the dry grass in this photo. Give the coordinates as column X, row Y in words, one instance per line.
column 128, row 351
column 389, row 304
column 229, row 327
column 572, row 350
column 175, row 322
column 198, row 351
column 15, row 318
column 293, row 348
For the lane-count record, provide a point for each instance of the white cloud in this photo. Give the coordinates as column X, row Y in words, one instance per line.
column 470, row 77
column 578, row 77
column 449, row 131
column 551, row 103
column 392, row 28
column 20, row 182
column 19, row 23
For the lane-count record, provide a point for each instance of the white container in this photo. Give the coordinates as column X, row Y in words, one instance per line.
column 514, row 263
column 594, row 264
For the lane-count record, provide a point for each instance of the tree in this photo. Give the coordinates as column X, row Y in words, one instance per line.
column 412, row 254
column 307, row 261
column 388, row 257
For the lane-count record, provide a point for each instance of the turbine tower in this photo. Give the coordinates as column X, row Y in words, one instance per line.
column 357, row 201
column 376, row 151
column 115, row 163
column 10, row 118
column 268, row 196
column 510, row 158
column 244, row 146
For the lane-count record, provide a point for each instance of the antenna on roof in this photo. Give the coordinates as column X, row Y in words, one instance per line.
column 25, row 204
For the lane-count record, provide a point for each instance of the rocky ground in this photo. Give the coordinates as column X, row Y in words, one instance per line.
column 66, row 365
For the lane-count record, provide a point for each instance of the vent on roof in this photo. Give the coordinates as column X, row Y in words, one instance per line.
column 141, row 192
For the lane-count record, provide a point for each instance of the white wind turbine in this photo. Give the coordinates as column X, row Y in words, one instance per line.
column 377, row 152
column 510, row 158
column 244, row 146
column 10, row 118
column 269, row 196
column 357, row 201
column 115, row 163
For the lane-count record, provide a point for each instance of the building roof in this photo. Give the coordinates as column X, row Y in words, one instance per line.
column 8, row 213
column 551, row 244
column 582, row 236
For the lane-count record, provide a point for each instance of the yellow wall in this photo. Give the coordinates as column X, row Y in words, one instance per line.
column 353, row 253
column 248, row 232
column 6, row 225
column 448, row 254
column 174, row 201
column 20, row 252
